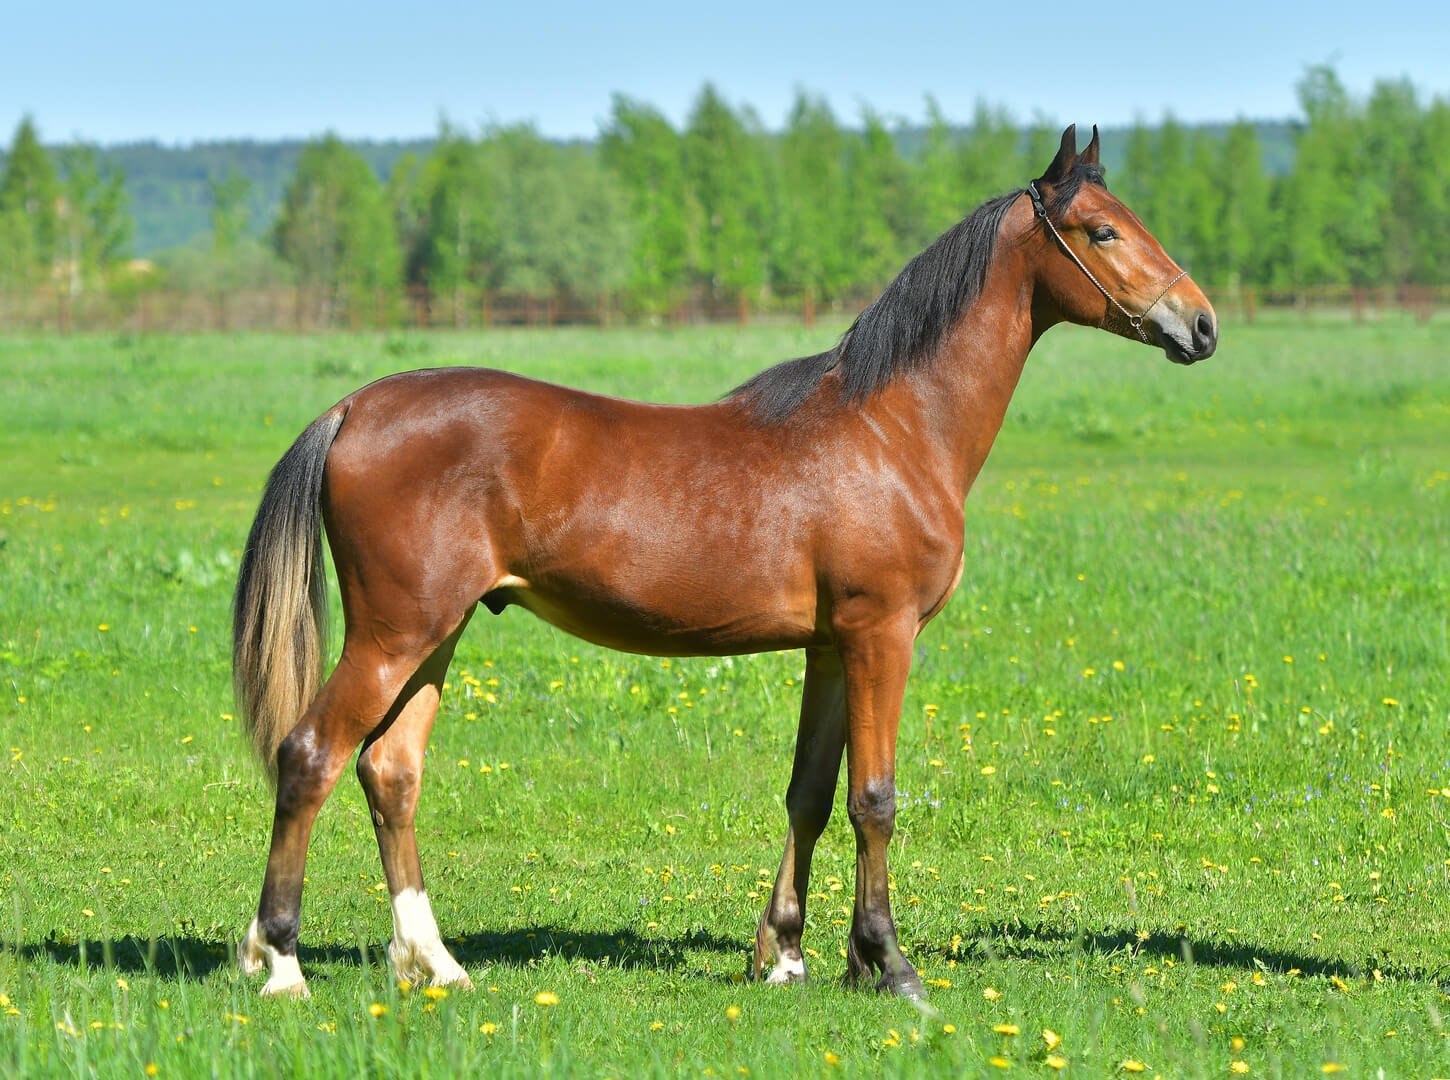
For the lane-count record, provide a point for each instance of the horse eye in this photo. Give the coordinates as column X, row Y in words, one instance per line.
column 1103, row 233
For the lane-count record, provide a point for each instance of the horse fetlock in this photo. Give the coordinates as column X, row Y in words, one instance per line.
column 251, row 956
column 256, row 952
column 781, row 953
column 427, row 963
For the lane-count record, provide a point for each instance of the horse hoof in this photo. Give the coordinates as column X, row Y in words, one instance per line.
column 286, row 989
column 787, row 969
column 903, row 986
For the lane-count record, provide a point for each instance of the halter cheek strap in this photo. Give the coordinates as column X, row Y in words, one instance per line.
column 1135, row 321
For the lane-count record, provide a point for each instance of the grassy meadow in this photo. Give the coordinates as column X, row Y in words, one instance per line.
column 1173, row 768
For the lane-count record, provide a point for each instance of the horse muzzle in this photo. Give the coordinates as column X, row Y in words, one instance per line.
column 1188, row 338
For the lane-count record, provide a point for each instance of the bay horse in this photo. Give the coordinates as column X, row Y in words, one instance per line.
column 827, row 502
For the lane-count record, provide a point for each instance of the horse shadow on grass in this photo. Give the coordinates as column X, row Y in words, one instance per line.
column 1020, row 941
column 192, row 957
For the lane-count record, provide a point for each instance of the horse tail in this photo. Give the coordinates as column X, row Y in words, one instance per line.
column 279, row 611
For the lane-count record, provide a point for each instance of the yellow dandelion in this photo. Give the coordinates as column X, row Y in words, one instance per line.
column 831, row 1058
column 377, row 1009
column 1051, row 1038
column 1055, row 1061
column 732, row 1013
column 1007, row 1029
column 1239, row 1068
column 999, row 1061
column 151, row 1069
column 949, row 1029
column 1391, row 702
column 988, row 770
column 991, row 993
column 1133, row 1066
column 657, row 1025
column 435, row 993
column 488, row 1027
column 546, row 998
column 1331, row 1067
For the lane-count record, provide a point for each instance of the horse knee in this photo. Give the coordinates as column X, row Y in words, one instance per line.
column 873, row 805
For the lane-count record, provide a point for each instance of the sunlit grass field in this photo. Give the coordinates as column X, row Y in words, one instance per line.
column 1173, row 768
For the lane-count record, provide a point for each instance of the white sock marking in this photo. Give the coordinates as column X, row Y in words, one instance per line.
column 285, row 973
column 417, row 952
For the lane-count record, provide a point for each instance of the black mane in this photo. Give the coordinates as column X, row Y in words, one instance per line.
column 905, row 326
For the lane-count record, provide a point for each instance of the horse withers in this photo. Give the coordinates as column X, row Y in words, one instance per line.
column 827, row 515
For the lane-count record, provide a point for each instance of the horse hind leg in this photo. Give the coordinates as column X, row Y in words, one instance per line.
column 808, row 799
column 309, row 761
column 390, row 769
column 361, row 696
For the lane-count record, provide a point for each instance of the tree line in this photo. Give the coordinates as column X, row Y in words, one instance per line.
column 652, row 212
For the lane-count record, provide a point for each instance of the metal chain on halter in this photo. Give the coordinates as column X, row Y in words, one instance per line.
column 1135, row 321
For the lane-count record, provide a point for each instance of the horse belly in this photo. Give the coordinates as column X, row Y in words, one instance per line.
column 670, row 619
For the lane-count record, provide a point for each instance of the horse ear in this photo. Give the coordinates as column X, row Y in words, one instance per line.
column 1090, row 155
column 1066, row 156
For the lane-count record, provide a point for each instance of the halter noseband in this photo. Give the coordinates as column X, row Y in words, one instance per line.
column 1135, row 321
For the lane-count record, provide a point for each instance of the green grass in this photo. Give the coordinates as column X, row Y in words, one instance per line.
column 1173, row 761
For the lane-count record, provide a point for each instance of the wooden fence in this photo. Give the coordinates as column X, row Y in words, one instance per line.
column 306, row 310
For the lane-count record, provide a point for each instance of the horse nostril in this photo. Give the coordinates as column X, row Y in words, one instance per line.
column 1203, row 327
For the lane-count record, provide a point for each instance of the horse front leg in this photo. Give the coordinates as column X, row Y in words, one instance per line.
column 877, row 661
column 819, row 744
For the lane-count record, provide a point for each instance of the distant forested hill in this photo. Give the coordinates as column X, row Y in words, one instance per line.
column 168, row 186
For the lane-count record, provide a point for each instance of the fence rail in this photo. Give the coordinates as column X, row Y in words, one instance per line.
column 304, row 309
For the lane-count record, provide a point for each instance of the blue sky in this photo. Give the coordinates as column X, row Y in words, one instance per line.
column 174, row 72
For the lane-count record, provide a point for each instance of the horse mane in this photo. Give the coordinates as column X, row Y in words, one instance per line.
column 905, row 326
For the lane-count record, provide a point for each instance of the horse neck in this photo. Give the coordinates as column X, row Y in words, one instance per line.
column 962, row 396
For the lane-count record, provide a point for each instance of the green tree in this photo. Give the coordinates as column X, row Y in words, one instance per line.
column 561, row 222
column 885, row 214
column 938, row 175
column 991, row 158
column 230, row 212
column 642, row 150
column 93, row 228
column 1330, row 218
column 1392, row 121
column 1177, row 187
column 1136, row 187
column 815, row 222
column 726, row 175
column 1430, row 186
column 455, row 245
column 29, row 206
column 336, row 229
column 1241, row 209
